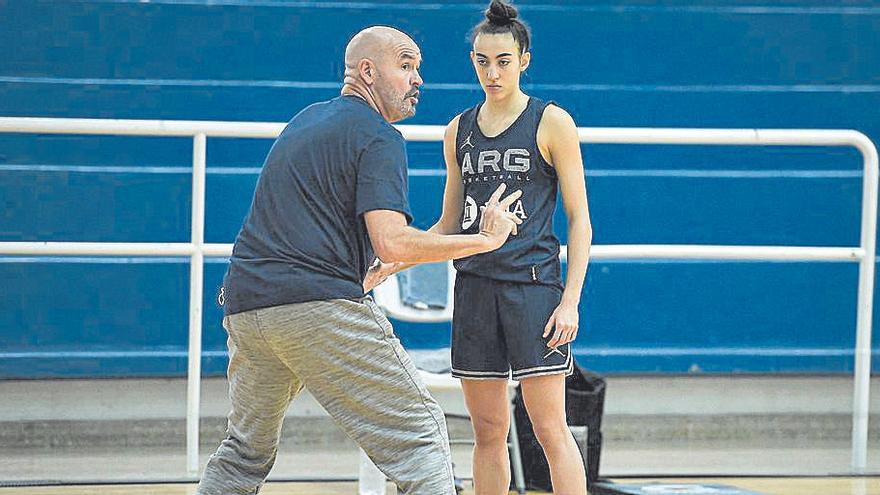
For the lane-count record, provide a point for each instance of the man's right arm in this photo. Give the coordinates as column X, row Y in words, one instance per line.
column 394, row 241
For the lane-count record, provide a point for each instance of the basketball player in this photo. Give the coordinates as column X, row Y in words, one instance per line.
column 512, row 315
column 332, row 192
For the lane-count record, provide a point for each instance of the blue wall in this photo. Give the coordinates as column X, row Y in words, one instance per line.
column 635, row 63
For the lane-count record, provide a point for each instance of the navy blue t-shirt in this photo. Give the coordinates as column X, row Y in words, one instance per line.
column 304, row 238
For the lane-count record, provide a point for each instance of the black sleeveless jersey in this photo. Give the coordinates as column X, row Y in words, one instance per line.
column 512, row 157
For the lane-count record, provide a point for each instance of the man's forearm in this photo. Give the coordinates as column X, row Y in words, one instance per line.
column 414, row 246
column 437, row 228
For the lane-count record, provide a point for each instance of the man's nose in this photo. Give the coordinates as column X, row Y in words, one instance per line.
column 417, row 79
column 492, row 73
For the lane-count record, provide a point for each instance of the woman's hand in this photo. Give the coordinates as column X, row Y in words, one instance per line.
column 563, row 324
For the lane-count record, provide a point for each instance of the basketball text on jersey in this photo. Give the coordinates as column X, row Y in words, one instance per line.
column 470, row 212
column 513, row 164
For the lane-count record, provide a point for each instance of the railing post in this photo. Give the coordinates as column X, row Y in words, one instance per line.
column 862, row 372
column 196, row 287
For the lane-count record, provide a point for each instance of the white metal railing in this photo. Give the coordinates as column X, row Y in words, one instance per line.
column 196, row 249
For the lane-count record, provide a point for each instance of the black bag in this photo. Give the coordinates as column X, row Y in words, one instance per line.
column 584, row 405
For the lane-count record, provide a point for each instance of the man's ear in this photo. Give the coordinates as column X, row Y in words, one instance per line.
column 367, row 70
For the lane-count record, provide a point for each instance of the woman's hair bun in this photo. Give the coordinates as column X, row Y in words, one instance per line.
column 501, row 13
column 501, row 18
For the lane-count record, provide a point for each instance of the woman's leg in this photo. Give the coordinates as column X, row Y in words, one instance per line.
column 544, row 397
column 488, row 406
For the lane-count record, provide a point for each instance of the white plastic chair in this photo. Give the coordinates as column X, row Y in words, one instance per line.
column 387, row 297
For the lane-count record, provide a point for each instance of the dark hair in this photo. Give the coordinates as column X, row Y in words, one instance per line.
column 501, row 17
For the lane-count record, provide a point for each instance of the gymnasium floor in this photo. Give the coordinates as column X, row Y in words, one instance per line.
column 769, row 486
column 804, row 457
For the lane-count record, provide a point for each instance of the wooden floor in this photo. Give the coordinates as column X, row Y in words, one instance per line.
column 768, row 486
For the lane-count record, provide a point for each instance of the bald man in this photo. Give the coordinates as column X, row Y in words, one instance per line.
column 331, row 197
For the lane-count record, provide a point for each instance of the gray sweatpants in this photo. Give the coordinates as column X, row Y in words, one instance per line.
column 346, row 354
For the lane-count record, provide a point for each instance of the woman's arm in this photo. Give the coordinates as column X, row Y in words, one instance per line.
column 453, row 200
column 559, row 143
column 453, row 192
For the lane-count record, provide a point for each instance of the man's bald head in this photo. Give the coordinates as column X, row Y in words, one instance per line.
column 376, row 42
column 382, row 67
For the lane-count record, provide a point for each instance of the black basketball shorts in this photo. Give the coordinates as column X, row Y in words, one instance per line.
column 498, row 327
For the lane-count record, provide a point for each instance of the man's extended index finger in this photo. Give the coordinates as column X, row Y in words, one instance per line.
column 497, row 194
column 506, row 202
